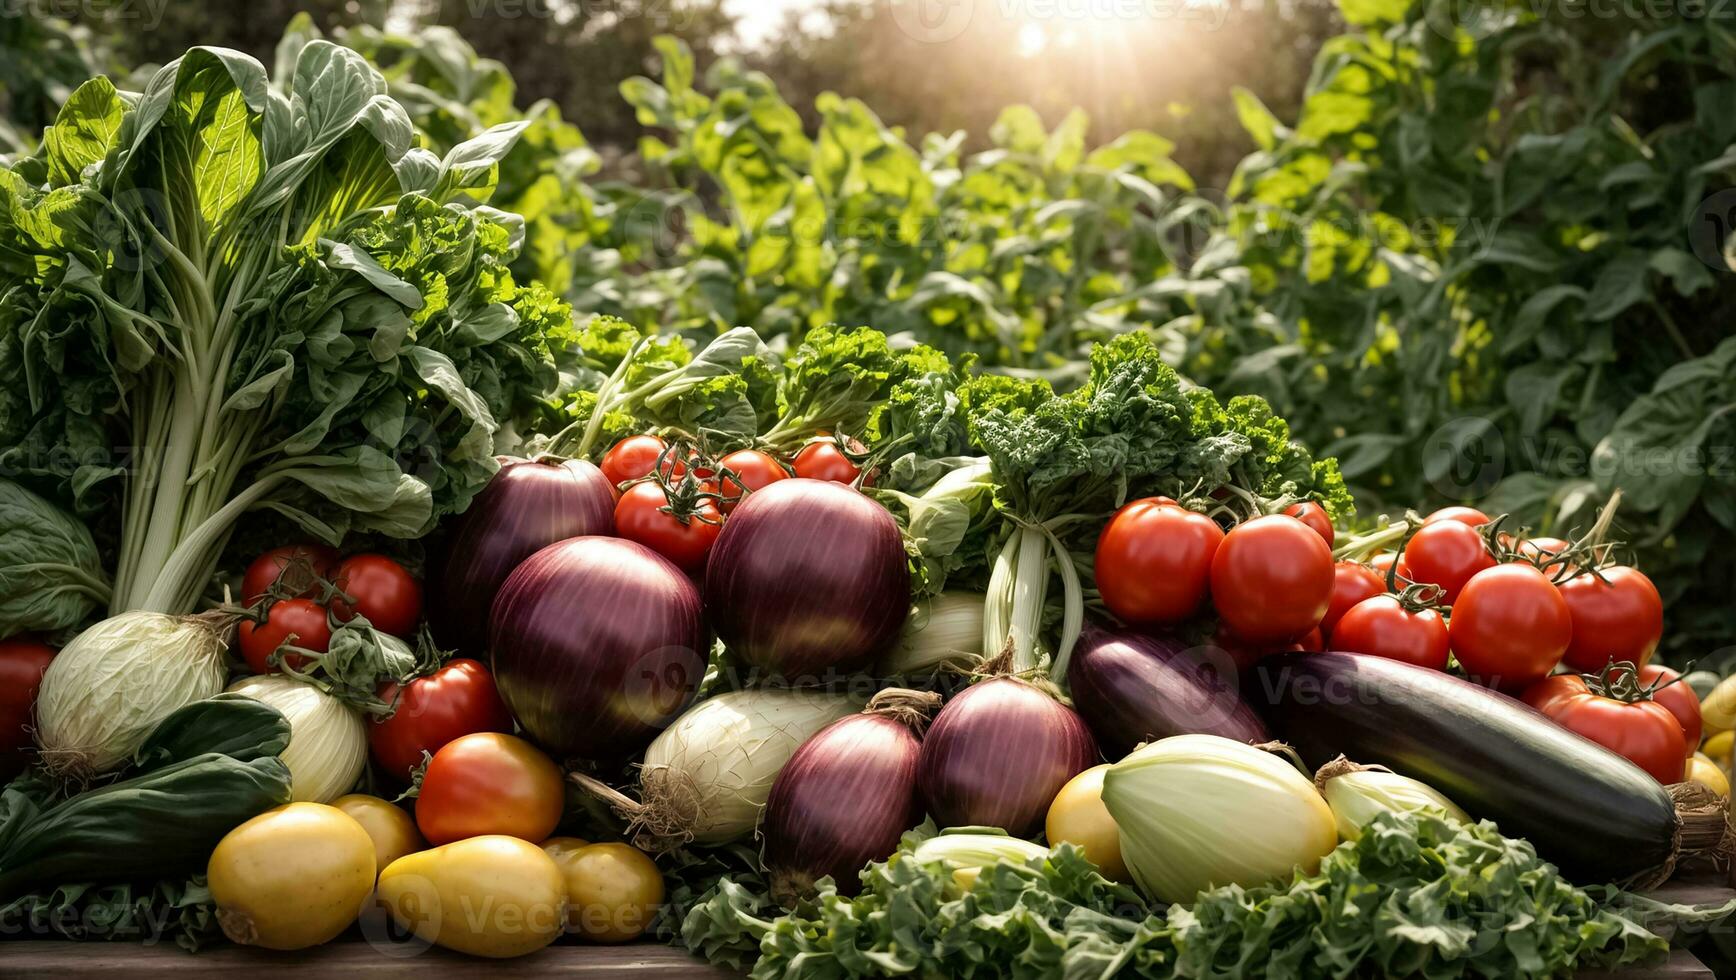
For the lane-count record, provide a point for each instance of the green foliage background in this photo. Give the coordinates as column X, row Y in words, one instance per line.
column 1478, row 253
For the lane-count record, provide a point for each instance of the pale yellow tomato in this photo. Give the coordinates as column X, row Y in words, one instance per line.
column 1706, row 772
column 1077, row 815
column 392, row 830
column 292, row 877
column 491, row 896
column 613, row 891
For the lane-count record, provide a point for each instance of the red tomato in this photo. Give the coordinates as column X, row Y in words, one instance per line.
column 456, row 700
column 753, row 470
column 1313, row 642
column 489, row 783
column 384, row 591
column 821, row 459
column 1542, row 547
column 1313, row 515
column 1447, row 553
column 1510, row 626
column 1271, row 579
column 1643, row 732
column 639, row 516
column 1619, row 617
column 1383, row 562
column 1352, row 582
column 1154, row 561
column 1381, row 626
column 1469, row 516
column 294, row 566
column 22, row 661
column 635, row 456
column 1679, row 698
column 1544, row 694
column 302, row 622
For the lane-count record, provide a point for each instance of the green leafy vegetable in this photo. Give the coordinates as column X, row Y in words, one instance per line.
column 1418, row 895
column 202, row 771
column 272, row 300
column 51, row 577
column 177, row 910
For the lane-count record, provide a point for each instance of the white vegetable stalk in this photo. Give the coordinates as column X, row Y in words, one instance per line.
column 105, row 692
column 1199, row 811
column 947, row 630
column 328, row 743
column 1356, row 793
column 705, row 779
column 967, row 854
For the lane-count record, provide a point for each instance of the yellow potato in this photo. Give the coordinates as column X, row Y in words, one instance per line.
column 392, row 830
column 292, row 877
column 493, row 896
column 613, row 891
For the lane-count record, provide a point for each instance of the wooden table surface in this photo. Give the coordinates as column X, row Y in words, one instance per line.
column 640, row 961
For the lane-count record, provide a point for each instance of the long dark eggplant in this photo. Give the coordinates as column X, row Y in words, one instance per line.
column 1131, row 688
column 1597, row 816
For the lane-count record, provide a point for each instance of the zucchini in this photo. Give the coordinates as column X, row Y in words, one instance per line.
column 1597, row 816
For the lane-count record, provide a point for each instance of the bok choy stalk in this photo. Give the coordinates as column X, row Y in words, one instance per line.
column 272, row 299
column 1062, row 463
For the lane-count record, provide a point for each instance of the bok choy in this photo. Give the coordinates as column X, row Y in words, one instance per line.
column 231, row 292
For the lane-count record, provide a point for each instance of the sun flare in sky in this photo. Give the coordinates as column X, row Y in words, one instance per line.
column 1044, row 24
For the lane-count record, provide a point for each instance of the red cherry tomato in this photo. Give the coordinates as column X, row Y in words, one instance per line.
column 293, row 566
column 1154, row 562
column 639, row 516
column 1643, row 732
column 1383, row 562
column 384, row 591
column 1615, row 618
column 1544, row 694
column 1510, row 626
column 1542, row 547
column 1381, row 626
column 754, row 470
column 22, row 661
column 1271, row 579
column 302, row 622
column 1352, row 582
column 1313, row 515
column 489, row 783
column 822, row 460
column 458, row 699
column 635, row 457
column 1669, row 691
column 1470, row 516
column 1447, row 553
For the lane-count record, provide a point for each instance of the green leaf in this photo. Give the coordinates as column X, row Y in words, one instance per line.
column 1259, row 123
column 84, row 131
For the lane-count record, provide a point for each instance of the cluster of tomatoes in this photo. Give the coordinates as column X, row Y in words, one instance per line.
column 1509, row 610
column 674, row 500
column 302, row 592
column 1269, row 579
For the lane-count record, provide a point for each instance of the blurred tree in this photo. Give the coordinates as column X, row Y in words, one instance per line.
column 577, row 52
column 1169, row 69
column 142, row 34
